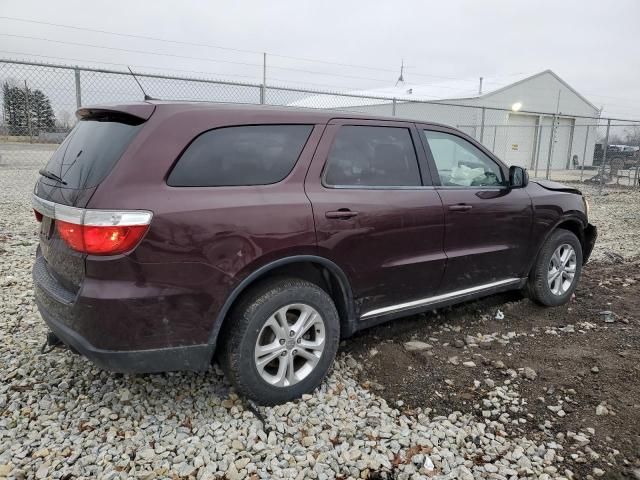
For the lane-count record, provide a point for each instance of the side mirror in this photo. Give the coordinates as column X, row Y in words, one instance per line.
column 518, row 177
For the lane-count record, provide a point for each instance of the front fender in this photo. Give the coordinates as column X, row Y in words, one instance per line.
column 575, row 223
column 590, row 236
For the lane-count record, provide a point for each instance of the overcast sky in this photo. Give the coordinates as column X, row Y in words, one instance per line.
column 593, row 45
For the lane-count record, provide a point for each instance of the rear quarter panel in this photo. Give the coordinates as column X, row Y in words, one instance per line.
column 203, row 241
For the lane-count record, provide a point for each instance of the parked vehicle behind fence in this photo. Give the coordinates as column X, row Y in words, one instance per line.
column 174, row 233
column 618, row 156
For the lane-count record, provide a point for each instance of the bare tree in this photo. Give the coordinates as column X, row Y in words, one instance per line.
column 632, row 135
column 614, row 139
column 64, row 120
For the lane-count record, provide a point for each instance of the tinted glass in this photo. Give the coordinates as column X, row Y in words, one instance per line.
column 247, row 155
column 372, row 156
column 460, row 163
column 90, row 151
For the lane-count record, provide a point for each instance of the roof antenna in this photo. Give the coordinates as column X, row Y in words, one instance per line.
column 146, row 97
column 401, row 77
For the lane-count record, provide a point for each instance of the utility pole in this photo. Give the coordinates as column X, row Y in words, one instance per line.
column 401, row 77
column 480, row 87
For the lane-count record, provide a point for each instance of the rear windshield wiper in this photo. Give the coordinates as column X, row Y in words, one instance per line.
column 51, row 176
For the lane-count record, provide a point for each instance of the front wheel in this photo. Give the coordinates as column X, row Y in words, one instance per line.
column 557, row 270
column 280, row 340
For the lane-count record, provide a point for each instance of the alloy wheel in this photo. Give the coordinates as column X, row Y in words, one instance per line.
column 289, row 345
column 562, row 269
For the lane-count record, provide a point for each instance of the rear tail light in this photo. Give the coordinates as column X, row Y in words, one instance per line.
column 97, row 232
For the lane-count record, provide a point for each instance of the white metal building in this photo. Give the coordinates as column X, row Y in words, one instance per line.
column 517, row 137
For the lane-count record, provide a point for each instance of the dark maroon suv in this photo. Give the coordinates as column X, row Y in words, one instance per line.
column 172, row 233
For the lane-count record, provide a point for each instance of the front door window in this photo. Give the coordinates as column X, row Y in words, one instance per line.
column 460, row 163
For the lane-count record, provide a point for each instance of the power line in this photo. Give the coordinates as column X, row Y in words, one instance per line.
column 203, row 59
column 129, row 35
column 220, row 47
column 301, row 70
column 11, row 52
column 199, row 72
column 207, row 45
column 146, row 52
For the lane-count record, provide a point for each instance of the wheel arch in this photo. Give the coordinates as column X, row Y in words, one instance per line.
column 307, row 267
column 573, row 224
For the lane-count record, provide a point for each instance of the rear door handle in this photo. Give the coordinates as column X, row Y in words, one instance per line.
column 460, row 208
column 342, row 214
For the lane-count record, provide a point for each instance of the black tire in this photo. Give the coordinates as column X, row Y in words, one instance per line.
column 245, row 323
column 538, row 282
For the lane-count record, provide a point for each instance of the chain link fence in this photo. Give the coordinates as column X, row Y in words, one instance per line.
column 38, row 102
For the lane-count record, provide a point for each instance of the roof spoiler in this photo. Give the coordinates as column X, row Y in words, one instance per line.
column 134, row 111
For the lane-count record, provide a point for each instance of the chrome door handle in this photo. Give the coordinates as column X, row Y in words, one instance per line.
column 342, row 214
column 460, row 208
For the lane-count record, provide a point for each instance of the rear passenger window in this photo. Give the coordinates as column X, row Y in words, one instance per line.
column 372, row 156
column 246, row 155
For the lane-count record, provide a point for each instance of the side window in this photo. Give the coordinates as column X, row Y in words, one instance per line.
column 460, row 163
column 372, row 156
column 246, row 155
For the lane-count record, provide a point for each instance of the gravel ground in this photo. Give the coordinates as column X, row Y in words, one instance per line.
column 60, row 417
column 617, row 215
column 575, row 372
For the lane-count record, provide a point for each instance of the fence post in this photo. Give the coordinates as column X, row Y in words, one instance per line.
column 604, row 155
column 28, row 112
column 584, row 155
column 571, row 133
column 482, row 120
column 78, row 88
column 393, row 107
column 495, row 134
column 552, row 139
column 536, row 160
column 263, row 87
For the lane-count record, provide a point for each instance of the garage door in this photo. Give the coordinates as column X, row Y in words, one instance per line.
column 520, row 142
column 561, row 147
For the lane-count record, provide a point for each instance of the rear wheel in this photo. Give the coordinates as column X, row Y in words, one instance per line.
column 280, row 340
column 557, row 270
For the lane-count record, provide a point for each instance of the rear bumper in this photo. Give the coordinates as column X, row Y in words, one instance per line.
column 117, row 329
column 590, row 236
column 196, row 357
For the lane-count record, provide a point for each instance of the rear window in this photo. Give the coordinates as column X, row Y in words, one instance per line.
column 91, row 150
column 246, row 155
